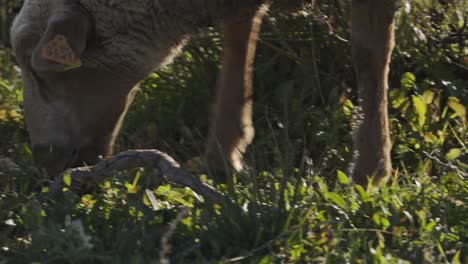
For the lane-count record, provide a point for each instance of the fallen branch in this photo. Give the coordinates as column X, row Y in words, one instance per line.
column 148, row 158
column 448, row 165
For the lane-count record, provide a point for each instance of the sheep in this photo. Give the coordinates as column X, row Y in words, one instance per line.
column 82, row 59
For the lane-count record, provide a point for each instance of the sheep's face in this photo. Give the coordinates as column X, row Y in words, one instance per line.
column 72, row 112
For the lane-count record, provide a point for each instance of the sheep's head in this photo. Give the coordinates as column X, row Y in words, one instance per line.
column 72, row 111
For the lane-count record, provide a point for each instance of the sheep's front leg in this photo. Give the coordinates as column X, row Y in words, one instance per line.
column 372, row 45
column 232, row 129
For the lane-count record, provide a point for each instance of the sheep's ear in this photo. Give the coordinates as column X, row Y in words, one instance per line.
column 64, row 40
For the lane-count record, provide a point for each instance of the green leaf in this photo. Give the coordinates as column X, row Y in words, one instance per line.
column 266, row 260
column 384, row 223
column 131, row 189
column 376, row 217
column 428, row 96
column 67, row 179
column 336, row 198
column 342, row 178
column 398, row 98
column 408, row 81
column 457, row 107
column 137, row 177
column 6, row 86
column 441, row 249
column 322, row 186
column 429, row 227
column 3, row 115
column 453, row 154
column 421, row 110
column 456, row 258
column 348, row 108
column 364, row 196
column 431, row 138
column 88, row 200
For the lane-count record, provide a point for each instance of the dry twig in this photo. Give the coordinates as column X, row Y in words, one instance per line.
column 148, row 158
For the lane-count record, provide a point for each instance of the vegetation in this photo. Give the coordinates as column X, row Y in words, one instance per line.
column 295, row 203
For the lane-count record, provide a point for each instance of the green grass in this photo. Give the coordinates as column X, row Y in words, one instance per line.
column 295, row 203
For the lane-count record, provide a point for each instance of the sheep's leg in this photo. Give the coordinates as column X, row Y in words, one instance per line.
column 372, row 45
column 232, row 129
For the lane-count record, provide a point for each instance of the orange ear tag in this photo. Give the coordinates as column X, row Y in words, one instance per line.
column 59, row 51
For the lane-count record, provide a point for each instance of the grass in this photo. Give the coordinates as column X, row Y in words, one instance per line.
column 295, row 204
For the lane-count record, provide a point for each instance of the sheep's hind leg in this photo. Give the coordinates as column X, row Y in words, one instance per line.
column 372, row 44
column 232, row 129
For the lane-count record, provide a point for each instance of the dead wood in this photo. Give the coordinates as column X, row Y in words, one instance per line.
column 131, row 159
